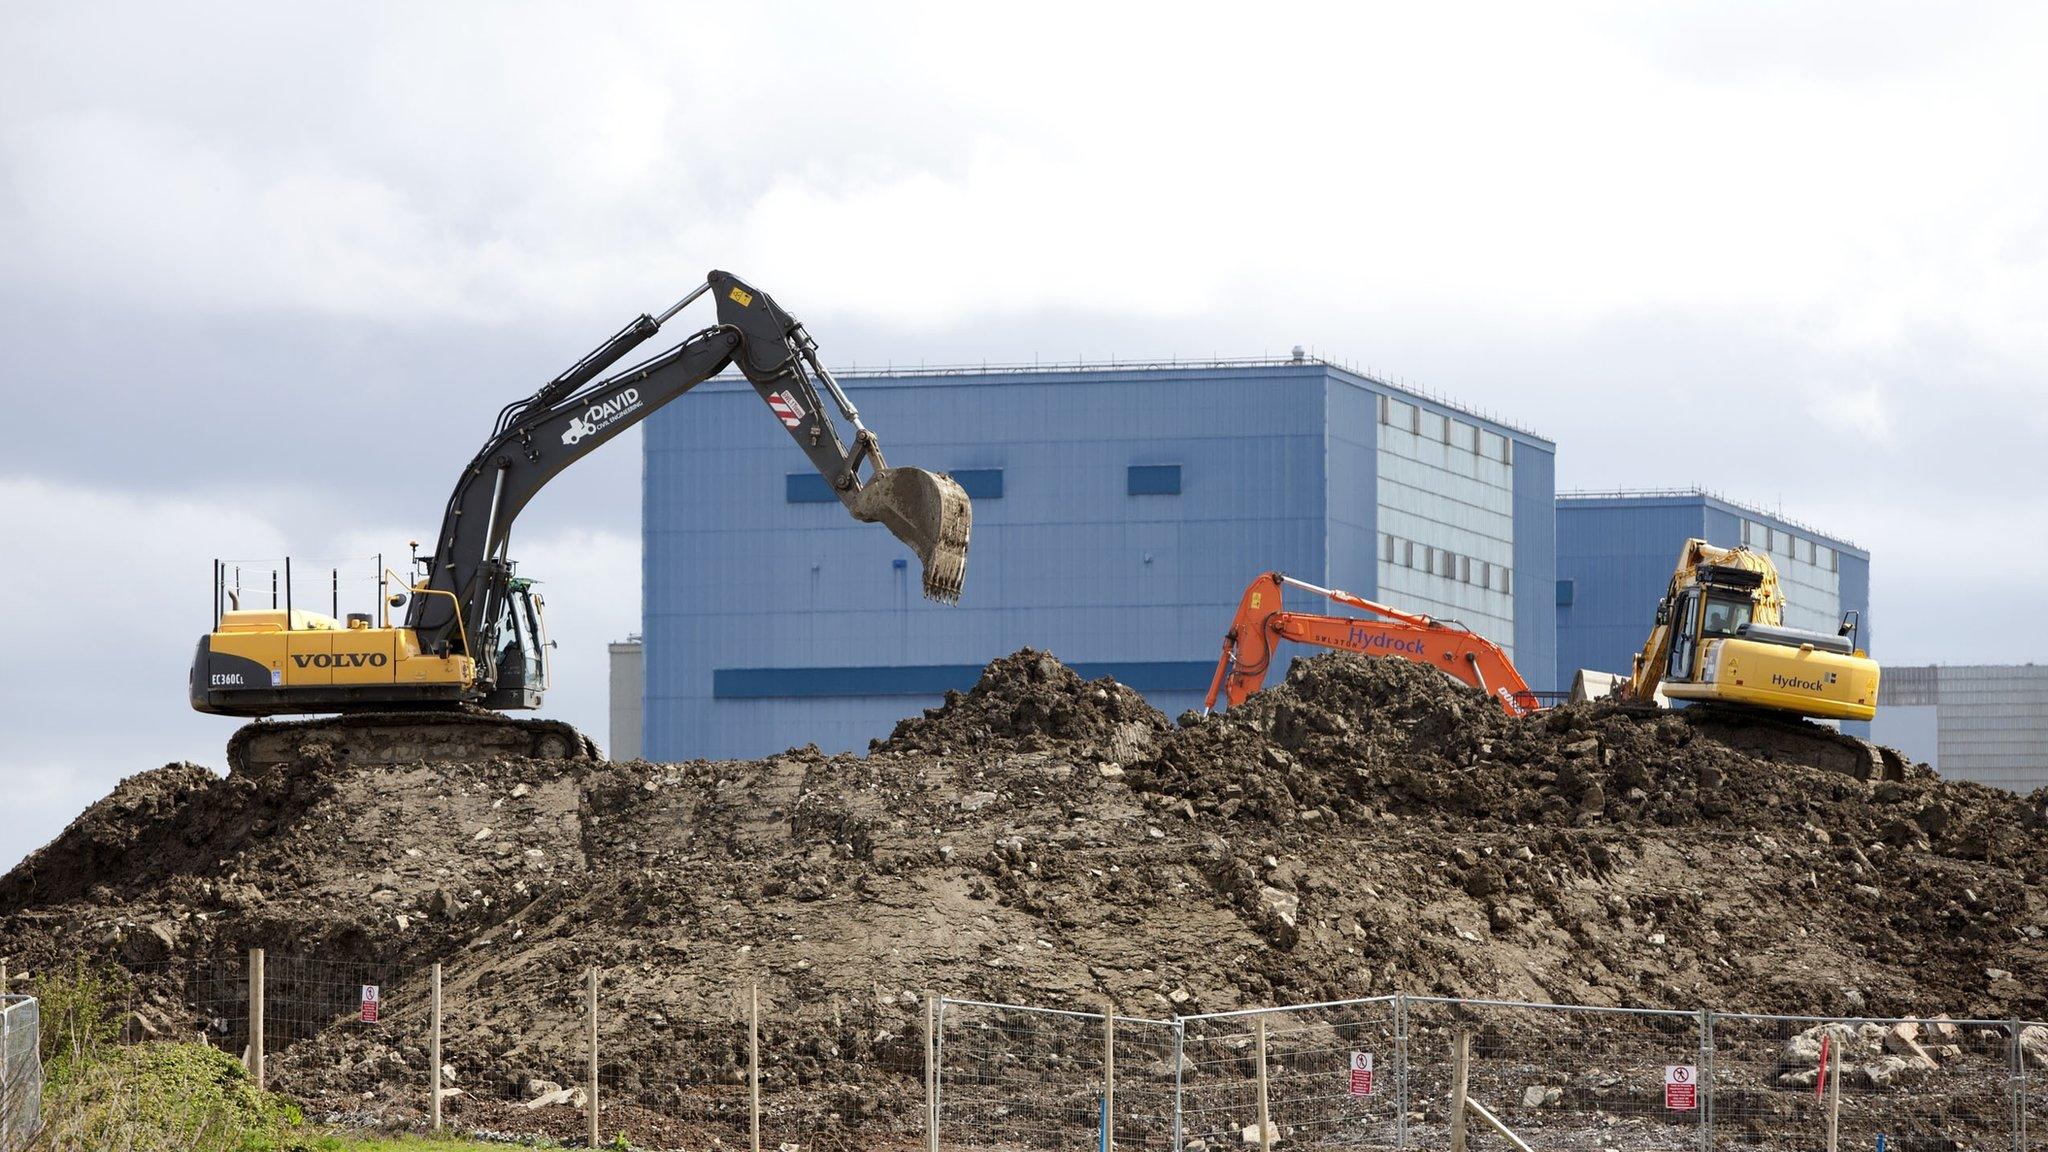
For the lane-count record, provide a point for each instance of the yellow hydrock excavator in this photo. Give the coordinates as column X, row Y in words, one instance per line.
column 1720, row 648
column 472, row 639
column 1720, row 637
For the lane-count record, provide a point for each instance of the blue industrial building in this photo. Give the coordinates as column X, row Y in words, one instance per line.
column 1119, row 512
column 1615, row 553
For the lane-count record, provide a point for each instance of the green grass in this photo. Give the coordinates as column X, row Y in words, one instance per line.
column 353, row 1142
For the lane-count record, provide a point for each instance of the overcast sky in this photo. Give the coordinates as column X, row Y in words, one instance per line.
column 266, row 275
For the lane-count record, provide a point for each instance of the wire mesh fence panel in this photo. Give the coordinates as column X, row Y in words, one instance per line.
column 1332, row 1076
column 1920, row 1085
column 672, row 1065
column 21, row 1072
column 517, row 1039
column 1558, row 1077
column 1015, row 1077
column 211, row 994
column 1146, row 1065
column 350, row 1040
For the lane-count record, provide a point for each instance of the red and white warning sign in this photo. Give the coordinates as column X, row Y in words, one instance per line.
column 785, row 406
column 1361, row 1073
column 369, row 1004
column 1681, row 1087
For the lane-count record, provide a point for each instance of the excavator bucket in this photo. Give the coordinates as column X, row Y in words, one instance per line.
column 929, row 512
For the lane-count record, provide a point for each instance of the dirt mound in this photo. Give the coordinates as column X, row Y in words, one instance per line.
column 1029, row 701
column 1366, row 826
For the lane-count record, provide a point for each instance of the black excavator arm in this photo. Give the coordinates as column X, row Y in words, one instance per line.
column 469, row 574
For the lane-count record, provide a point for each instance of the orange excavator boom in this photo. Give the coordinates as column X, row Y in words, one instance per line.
column 1451, row 648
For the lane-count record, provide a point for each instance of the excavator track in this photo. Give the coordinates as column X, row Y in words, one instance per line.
column 429, row 736
column 1791, row 740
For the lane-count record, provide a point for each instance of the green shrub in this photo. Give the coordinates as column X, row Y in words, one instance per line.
column 79, row 1017
column 165, row 1097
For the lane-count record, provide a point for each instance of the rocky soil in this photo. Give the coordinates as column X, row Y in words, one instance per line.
column 1365, row 827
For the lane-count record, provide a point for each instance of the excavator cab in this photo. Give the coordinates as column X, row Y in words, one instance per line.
column 522, row 656
column 1720, row 606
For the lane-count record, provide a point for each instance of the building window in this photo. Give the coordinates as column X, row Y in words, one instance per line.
column 1565, row 589
column 1485, row 574
column 1507, row 581
column 1446, row 563
column 1396, row 414
column 1386, row 548
column 808, row 488
column 1152, row 480
column 1408, row 553
column 811, row 488
column 980, row 483
column 1465, row 569
column 1508, row 451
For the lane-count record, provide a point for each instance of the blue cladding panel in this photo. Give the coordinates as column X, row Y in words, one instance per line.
column 1536, row 565
column 1152, row 480
column 1353, row 440
column 738, row 578
column 1618, row 557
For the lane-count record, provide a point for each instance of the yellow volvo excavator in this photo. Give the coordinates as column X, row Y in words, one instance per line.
column 473, row 639
column 1721, row 646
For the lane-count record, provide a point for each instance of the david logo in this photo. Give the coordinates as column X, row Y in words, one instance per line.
column 600, row 414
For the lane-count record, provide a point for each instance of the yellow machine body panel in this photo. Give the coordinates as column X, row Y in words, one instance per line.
column 313, row 656
column 1803, row 680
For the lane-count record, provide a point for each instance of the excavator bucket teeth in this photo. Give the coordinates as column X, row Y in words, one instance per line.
column 929, row 512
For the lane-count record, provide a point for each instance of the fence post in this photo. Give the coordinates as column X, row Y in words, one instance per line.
column 1401, row 1070
column 939, row 1067
column 1108, row 1077
column 256, row 1016
column 754, row 1066
column 1460, row 1067
column 435, row 1057
column 1180, row 1033
column 1834, row 1100
column 593, row 1058
column 1265, row 1119
column 931, row 1078
column 1706, row 1080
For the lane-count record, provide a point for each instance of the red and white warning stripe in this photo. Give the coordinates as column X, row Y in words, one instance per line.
column 786, row 407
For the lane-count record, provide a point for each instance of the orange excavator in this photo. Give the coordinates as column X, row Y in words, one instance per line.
column 1447, row 646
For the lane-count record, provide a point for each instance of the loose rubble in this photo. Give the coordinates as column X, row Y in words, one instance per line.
column 1365, row 827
